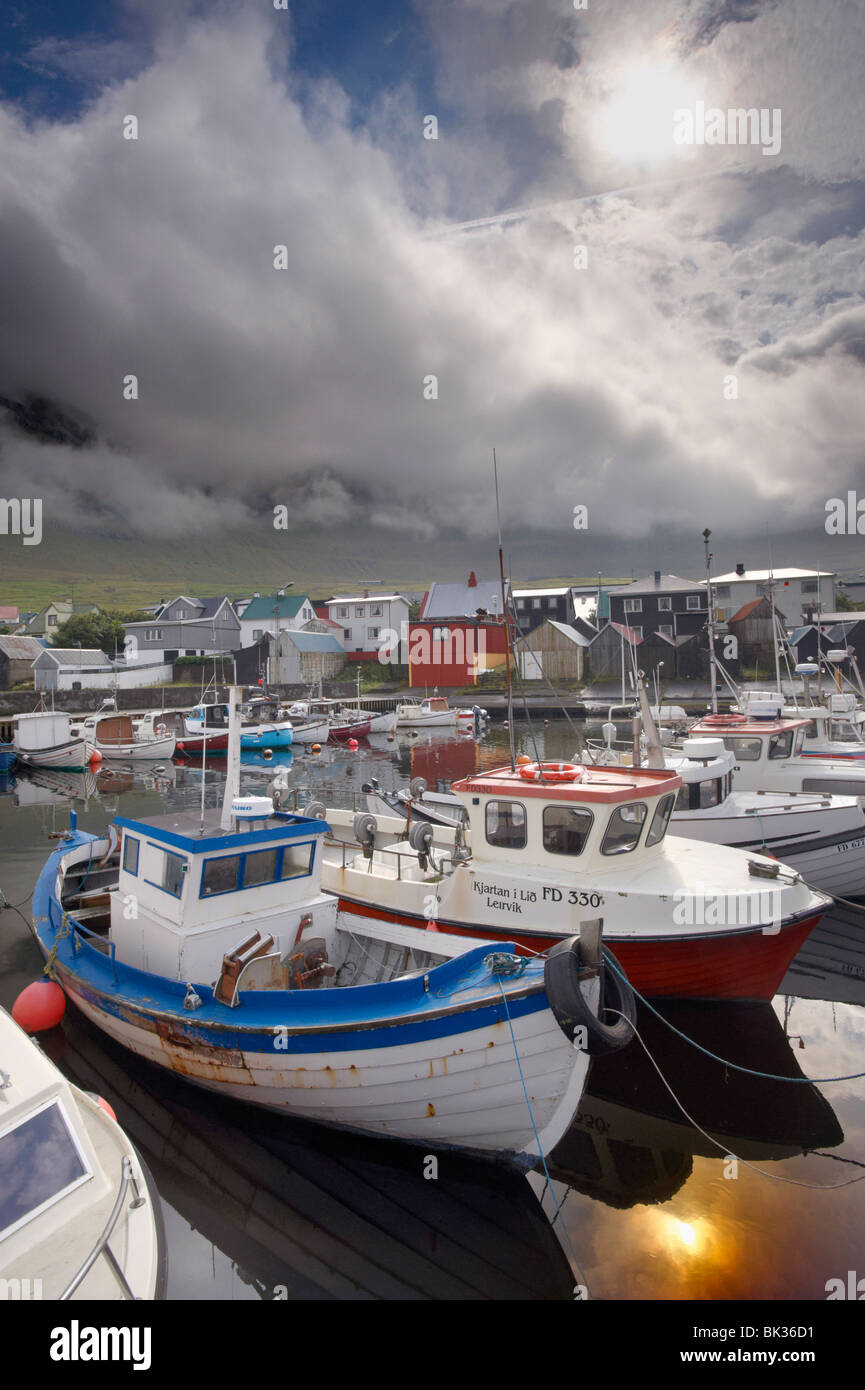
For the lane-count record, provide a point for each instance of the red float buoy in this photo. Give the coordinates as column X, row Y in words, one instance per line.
column 95, row 759
column 40, row 1006
column 316, row 748
column 103, row 1105
column 352, row 743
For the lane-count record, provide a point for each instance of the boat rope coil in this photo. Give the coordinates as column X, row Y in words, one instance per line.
column 505, row 963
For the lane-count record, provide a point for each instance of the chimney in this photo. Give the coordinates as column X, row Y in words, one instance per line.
column 473, row 580
column 256, row 595
column 366, row 593
column 657, row 579
column 740, row 569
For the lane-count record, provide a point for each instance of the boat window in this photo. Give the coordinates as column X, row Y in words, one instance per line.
column 220, row 875
column 506, row 824
column 835, row 786
column 130, row 854
column 172, row 873
column 710, row 792
column 566, row 829
column 683, row 797
column 260, row 867
column 41, row 1162
column 811, row 729
column 661, row 819
column 623, row 830
column 296, row 861
column 799, row 740
column 781, row 744
column 747, row 750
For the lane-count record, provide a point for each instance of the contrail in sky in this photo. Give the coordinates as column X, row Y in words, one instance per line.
column 500, row 219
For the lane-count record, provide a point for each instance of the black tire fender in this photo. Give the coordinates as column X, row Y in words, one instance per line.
column 571, row 1008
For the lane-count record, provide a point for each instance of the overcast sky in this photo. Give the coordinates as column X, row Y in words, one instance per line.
column 601, row 384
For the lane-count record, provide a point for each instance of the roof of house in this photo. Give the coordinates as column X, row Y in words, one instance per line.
column 747, row 609
column 263, row 608
column 314, row 642
column 21, row 648
column 365, row 598
column 8, row 615
column 542, row 593
column 668, row 584
column 763, row 576
column 76, row 656
column 462, row 600
column 627, row 632
column 571, row 633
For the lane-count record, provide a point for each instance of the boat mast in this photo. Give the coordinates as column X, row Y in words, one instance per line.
column 232, row 759
column 505, row 621
column 774, row 631
column 713, row 675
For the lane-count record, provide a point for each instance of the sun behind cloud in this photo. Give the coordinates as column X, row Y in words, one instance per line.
column 635, row 122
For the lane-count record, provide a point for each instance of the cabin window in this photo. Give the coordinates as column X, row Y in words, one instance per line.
column 41, row 1162
column 260, row 867
column 506, row 824
column 624, row 827
column 683, row 798
column 710, row 793
column 296, row 861
column 811, row 729
column 566, row 829
column 130, row 854
column 220, row 875
column 780, row 745
column 172, row 874
column 661, row 819
column 799, row 740
column 747, row 750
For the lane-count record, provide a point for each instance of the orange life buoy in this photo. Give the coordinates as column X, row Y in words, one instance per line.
column 161, row 730
column 722, row 720
column 550, row 772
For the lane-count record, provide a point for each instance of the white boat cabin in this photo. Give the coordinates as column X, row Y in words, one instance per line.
column 592, row 814
column 42, row 730
column 186, row 896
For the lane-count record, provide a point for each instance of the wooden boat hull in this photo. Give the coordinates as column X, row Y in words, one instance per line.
column 438, row 1058
column 359, row 729
column 198, row 743
column 71, row 756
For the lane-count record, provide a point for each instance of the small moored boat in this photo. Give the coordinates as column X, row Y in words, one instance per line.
column 46, row 739
column 79, row 1218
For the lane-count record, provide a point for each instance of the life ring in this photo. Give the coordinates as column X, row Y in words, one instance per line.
column 161, row 731
column 721, row 721
column 550, row 772
column 571, row 1009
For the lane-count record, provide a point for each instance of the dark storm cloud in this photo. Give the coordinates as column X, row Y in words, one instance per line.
column 304, row 387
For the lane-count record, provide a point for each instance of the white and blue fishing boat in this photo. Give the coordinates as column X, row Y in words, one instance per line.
column 207, row 947
column 205, row 721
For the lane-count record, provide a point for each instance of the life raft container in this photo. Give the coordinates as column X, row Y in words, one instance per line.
column 550, row 772
column 572, row 1010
